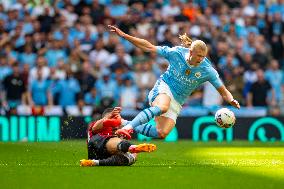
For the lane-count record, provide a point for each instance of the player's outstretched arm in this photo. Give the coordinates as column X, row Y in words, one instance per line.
column 112, row 119
column 228, row 97
column 140, row 43
column 115, row 114
column 105, row 122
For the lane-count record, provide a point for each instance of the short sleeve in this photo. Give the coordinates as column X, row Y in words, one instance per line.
column 174, row 55
column 163, row 51
column 214, row 79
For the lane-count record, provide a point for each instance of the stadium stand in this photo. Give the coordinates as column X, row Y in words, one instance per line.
column 57, row 56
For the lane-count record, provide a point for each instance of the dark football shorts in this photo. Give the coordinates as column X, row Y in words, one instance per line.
column 97, row 147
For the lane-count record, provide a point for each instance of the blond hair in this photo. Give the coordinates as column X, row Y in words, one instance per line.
column 185, row 40
column 198, row 44
column 188, row 43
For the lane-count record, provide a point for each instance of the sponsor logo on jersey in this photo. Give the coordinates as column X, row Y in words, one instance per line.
column 187, row 72
column 187, row 81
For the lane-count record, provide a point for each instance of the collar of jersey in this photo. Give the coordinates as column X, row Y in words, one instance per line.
column 189, row 65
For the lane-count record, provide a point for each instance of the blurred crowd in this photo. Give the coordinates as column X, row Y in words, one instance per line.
column 59, row 53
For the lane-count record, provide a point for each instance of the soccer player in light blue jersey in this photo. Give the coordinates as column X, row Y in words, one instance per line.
column 188, row 69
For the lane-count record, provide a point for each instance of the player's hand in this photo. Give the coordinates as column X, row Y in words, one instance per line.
column 115, row 114
column 235, row 103
column 116, row 30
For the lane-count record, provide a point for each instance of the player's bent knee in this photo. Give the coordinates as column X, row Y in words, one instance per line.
column 123, row 146
column 164, row 108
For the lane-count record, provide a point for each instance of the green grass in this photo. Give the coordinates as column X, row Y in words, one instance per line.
column 182, row 164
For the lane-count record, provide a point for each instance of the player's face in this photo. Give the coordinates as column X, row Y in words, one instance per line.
column 106, row 116
column 111, row 115
column 197, row 56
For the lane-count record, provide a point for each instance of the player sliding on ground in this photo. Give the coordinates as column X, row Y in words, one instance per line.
column 188, row 69
column 105, row 148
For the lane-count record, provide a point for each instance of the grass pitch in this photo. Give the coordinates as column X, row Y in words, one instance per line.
column 183, row 164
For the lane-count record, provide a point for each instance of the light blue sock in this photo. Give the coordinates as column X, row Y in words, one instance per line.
column 148, row 130
column 145, row 116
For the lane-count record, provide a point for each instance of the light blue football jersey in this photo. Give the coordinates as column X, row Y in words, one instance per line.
column 182, row 78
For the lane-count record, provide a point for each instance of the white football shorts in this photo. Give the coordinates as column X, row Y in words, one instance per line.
column 162, row 88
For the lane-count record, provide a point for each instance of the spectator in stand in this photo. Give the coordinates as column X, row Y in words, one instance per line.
column 211, row 97
column 67, row 89
column 249, row 78
column 191, row 11
column 80, row 109
column 129, row 94
column 54, row 54
column 107, row 87
column 171, row 9
column 5, row 69
column 88, row 40
column 117, row 9
column 228, row 63
column 28, row 56
column 258, row 93
column 260, row 55
column 38, row 6
column 92, row 98
column 59, row 70
column 14, row 88
column 38, row 42
column 46, row 19
column 97, row 12
column 99, row 55
column 39, row 91
column 76, row 60
column 40, row 65
column 276, row 79
column 87, row 77
column 144, row 77
column 74, row 32
column 120, row 55
column 139, row 56
column 235, row 84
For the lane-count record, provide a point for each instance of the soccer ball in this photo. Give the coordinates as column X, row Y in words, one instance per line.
column 225, row 118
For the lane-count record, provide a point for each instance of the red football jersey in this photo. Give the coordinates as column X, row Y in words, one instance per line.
column 108, row 129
